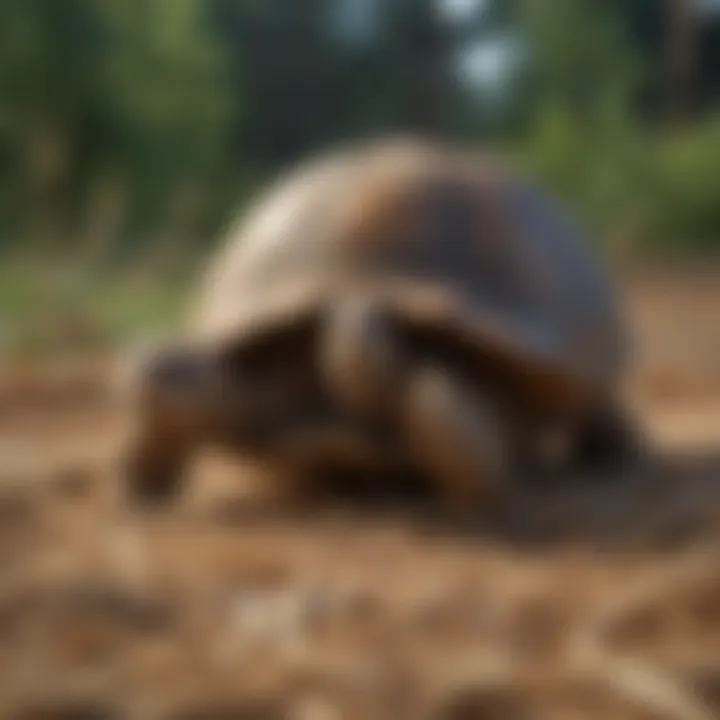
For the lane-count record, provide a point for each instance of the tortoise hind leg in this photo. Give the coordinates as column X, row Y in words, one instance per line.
column 455, row 437
column 608, row 442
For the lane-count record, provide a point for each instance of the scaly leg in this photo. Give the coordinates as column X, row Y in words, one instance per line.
column 361, row 359
column 456, row 436
column 608, row 441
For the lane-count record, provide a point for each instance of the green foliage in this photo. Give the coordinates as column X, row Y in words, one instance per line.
column 585, row 139
column 130, row 130
column 132, row 89
column 685, row 189
column 582, row 139
column 650, row 191
column 162, row 88
column 580, row 56
column 75, row 309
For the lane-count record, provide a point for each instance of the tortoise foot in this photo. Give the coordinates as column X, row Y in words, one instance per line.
column 610, row 445
column 151, row 481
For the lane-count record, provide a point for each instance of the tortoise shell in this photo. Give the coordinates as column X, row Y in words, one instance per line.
column 455, row 244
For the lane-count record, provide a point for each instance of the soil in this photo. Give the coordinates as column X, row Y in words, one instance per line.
column 595, row 599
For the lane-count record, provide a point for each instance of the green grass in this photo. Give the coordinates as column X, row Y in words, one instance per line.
column 47, row 309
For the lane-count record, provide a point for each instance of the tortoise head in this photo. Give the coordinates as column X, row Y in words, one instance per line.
column 169, row 393
column 173, row 384
column 244, row 396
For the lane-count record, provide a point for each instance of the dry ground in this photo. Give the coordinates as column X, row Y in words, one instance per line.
column 601, row 601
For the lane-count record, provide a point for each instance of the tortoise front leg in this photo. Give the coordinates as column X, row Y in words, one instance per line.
column 153, row 468
column 446, row 429
column 455, row 436
column 361, row 358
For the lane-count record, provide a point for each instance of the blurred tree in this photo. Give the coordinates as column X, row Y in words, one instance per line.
column 153, row 117
column 281, row 55
column 87, row 88
column 313, row 77
column 48, row 121
column 577, row 90
column 164, row 92
column 678, row 45
column 681, row 42
column 580, row 57
column 423, row 46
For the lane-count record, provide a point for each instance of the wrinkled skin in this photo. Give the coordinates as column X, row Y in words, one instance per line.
column 390, row 309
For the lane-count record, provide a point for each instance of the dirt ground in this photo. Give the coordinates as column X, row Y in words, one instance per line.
column 600, row 600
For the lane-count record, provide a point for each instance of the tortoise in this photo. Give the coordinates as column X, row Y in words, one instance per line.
column 397, row 303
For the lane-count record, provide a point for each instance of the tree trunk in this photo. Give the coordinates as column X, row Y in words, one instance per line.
column 430, row 98
column 681, row 53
